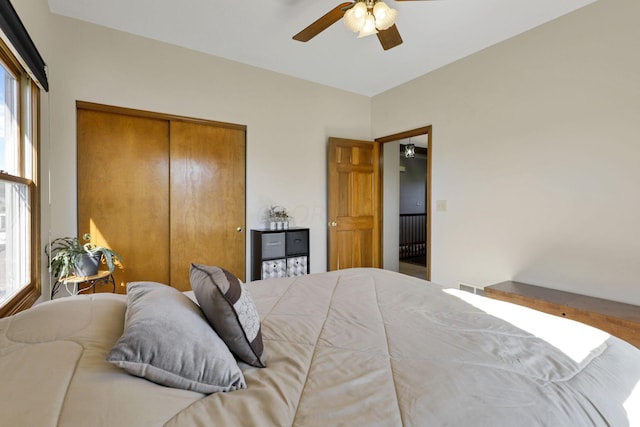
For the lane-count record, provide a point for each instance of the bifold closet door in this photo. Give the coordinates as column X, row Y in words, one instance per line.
column 123, row 191
column 207, row 192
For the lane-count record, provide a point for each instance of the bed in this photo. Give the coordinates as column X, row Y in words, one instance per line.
column 357, row 347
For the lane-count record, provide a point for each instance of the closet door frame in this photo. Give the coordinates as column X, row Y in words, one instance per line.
column 153, row 115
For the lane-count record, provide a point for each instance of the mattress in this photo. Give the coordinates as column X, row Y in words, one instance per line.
column 358, row 347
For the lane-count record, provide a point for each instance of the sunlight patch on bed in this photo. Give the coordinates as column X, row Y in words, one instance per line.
column 631, row 406
column 574, row 339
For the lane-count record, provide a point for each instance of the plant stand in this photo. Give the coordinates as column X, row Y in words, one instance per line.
column 81, row 284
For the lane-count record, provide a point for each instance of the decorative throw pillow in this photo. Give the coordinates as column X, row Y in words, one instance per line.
column 230, row 310
column 167, row 340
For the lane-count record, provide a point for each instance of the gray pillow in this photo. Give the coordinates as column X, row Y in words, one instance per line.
column 167, row 340
column 230, row 311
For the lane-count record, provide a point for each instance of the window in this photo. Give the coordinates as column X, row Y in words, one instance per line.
column 19, row 254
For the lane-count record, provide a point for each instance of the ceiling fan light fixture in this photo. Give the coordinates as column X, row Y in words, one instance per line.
column 354, row 20
column 359, row 10
column 385, row 17
column 365, row 17
column 369, row 27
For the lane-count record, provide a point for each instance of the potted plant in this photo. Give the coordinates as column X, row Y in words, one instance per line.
column 278, row 217
column 66, row 256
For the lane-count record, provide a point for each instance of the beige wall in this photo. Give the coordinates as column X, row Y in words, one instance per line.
column 535, row 140
column 536, row 148
column 288, row 120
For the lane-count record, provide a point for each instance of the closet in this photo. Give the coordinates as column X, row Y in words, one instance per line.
column 163, row 191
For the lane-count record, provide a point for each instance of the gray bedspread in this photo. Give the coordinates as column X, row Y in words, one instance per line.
column 359, row 347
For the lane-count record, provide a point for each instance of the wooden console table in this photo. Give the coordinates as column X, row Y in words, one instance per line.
column 616, row 318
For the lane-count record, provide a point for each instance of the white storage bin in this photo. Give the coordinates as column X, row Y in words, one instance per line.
column 274, row 268
column 297, row 266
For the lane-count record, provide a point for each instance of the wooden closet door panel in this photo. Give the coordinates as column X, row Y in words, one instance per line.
column 123, row 191
column 207, row 190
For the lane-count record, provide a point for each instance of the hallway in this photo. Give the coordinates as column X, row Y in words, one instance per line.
column 415, row 270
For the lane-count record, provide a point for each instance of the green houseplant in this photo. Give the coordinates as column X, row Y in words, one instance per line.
column 277, row 217
column 66, row 256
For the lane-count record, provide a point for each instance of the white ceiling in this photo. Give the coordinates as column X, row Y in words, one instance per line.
column 259, row 33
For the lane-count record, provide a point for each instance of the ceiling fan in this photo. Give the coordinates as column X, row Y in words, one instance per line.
column 366, row 17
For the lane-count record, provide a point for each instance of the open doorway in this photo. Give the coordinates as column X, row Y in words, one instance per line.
column 412, row 249
column 406, row 230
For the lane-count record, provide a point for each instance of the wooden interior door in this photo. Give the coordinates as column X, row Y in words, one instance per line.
column 123, row 196
column 353, row 204
column 207, row 191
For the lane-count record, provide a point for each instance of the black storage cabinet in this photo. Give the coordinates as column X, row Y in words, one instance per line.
column 279, row 253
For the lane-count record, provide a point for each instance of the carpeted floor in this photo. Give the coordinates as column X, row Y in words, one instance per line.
column 418, row 260
column 415, row 270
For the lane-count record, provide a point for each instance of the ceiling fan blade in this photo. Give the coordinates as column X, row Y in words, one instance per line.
column 390, row 37
column 323, row 22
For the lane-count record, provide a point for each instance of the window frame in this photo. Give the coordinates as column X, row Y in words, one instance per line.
column 27, row 89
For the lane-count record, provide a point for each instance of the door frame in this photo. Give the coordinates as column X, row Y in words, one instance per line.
column 425, row 130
